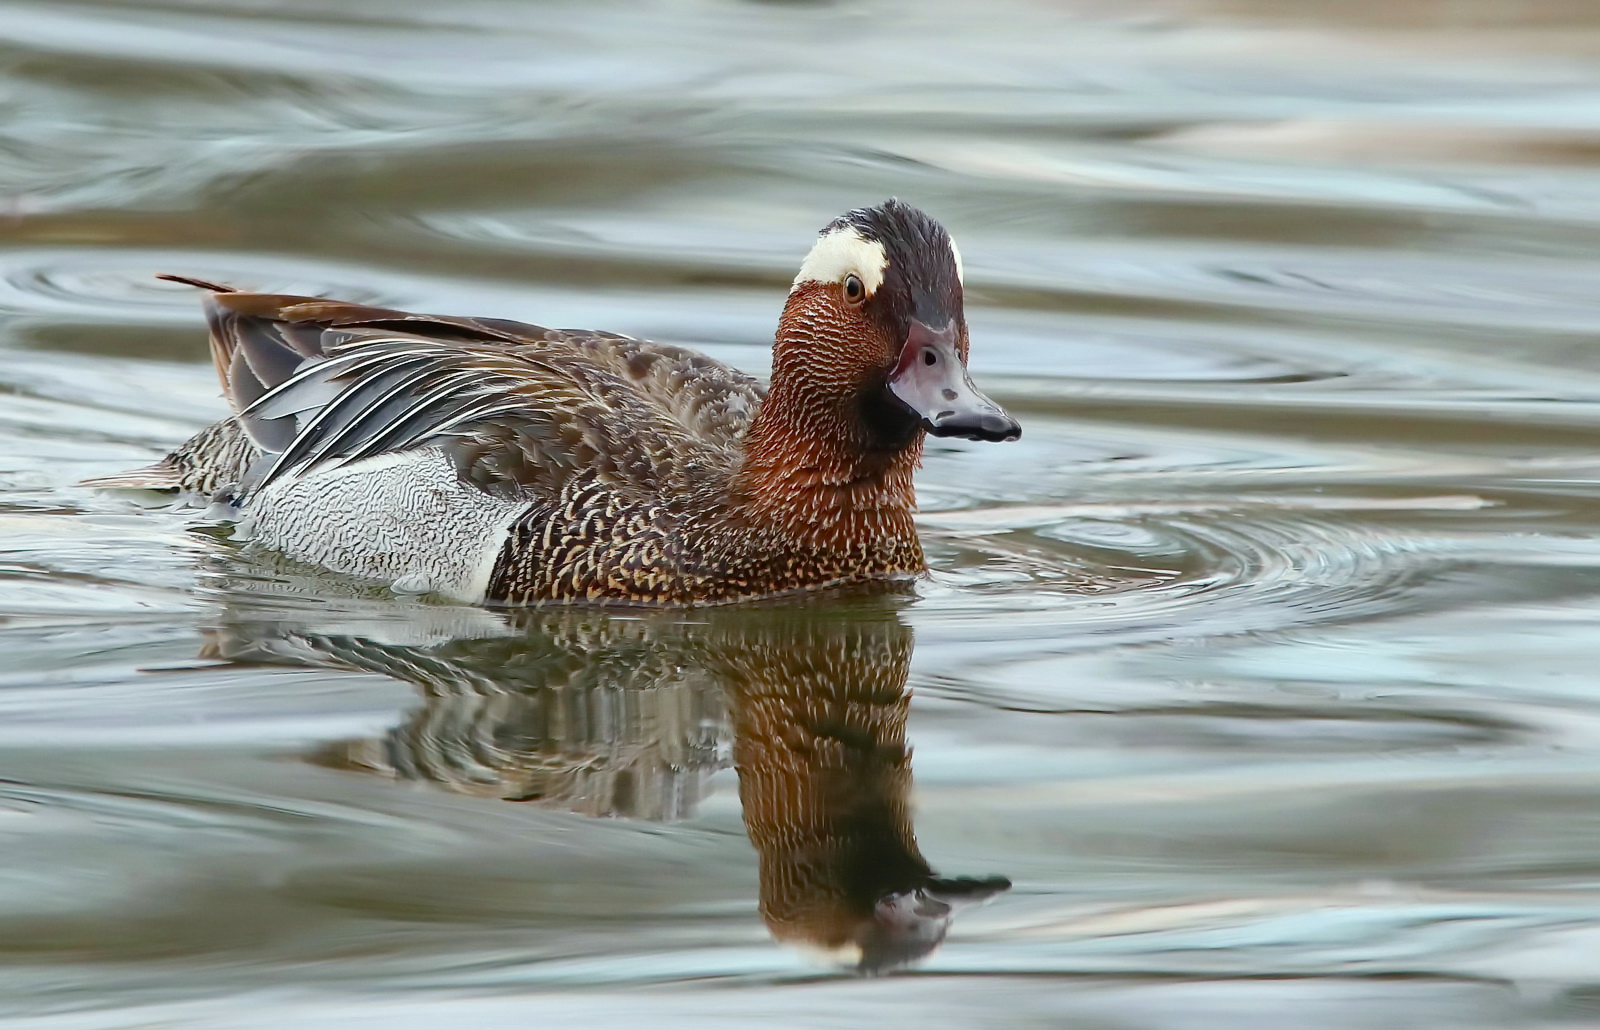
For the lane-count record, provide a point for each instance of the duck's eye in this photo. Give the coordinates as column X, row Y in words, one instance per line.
column 854, row 291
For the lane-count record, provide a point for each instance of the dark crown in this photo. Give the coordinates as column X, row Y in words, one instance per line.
column 921, row 279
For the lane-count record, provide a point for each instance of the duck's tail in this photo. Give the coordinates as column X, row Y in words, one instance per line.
column 201, row 283
column 250, row 347
column 163, row 475
column 253, row 349
column 258, row 341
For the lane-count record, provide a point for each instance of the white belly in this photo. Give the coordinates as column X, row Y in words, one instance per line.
column 405, row 519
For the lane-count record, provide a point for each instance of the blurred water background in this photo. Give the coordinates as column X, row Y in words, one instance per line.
column 1264, row 666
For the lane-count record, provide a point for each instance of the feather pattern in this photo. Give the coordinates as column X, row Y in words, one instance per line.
column 519, row 416
column 606, row 442
column 501, row 461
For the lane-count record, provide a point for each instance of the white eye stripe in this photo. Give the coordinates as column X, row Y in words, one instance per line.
column 961, row 272
column 841, row 253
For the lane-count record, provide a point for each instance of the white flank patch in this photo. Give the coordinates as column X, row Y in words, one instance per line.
column 842, row 252
column 404, row 518
column 961, row 271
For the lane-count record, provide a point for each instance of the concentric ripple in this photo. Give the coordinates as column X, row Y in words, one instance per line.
column 1162, row 569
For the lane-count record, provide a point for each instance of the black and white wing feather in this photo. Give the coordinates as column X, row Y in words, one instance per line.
column 520, row 409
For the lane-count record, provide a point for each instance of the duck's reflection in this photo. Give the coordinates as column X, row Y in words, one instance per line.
column 630, row 716
column 819, row 719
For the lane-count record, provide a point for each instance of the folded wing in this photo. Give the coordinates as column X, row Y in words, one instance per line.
column 520, row 409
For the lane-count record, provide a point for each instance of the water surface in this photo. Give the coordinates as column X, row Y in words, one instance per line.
column 1262, row 667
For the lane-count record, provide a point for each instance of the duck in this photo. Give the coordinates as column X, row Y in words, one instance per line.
column 501, row 463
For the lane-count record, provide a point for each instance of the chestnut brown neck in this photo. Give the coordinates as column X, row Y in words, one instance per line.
column 812, row 475
column 813, row 462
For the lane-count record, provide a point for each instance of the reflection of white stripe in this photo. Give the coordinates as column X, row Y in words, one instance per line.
column 842, row 252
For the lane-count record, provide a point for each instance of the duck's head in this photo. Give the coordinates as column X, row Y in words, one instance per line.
column 875, row 324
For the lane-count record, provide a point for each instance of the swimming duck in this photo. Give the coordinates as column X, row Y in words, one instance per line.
column 493, row 461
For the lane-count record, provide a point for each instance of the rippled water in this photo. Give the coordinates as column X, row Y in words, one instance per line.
column 1263, row 668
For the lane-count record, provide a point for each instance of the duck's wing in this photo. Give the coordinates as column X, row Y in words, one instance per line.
column 521, row 409
column 710, row 399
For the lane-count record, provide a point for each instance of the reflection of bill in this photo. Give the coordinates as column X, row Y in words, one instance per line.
column 629, row 717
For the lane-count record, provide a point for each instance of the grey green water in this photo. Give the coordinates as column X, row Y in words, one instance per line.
column 1266, row 666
